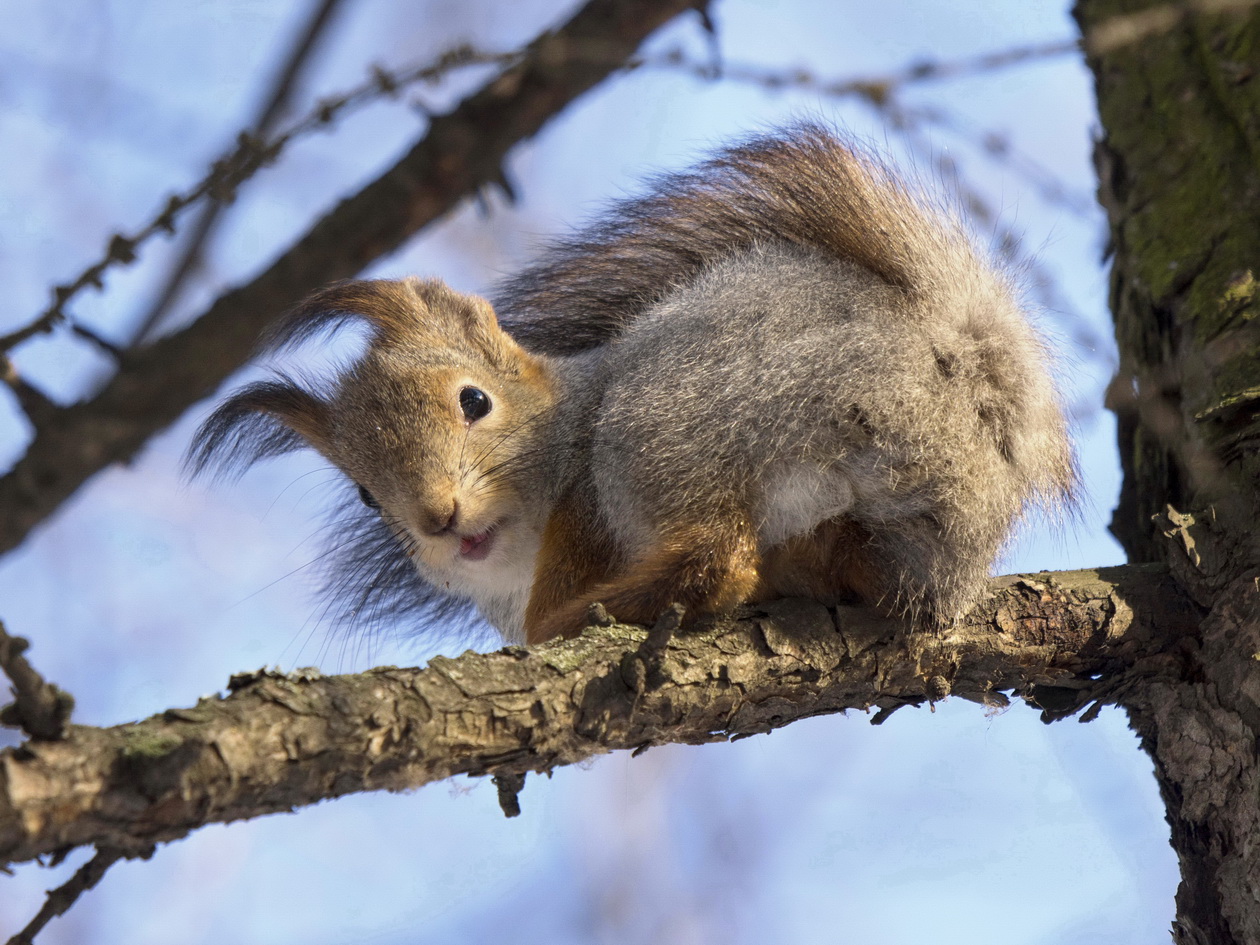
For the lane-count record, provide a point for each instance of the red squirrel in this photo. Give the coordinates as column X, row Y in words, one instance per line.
column 783, row 372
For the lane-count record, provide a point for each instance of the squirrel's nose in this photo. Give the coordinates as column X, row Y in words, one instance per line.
column 440, row 517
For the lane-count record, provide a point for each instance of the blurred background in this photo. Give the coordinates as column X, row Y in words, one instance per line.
column 144, row 592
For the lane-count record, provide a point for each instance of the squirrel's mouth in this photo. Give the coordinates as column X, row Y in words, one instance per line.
column 477, row 547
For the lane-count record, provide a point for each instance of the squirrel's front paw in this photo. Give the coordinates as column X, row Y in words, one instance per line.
column 567, row 620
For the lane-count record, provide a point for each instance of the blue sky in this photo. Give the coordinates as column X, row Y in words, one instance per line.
column 146, row 592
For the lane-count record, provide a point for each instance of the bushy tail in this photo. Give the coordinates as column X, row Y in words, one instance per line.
column 805, row 186
column 984, row 420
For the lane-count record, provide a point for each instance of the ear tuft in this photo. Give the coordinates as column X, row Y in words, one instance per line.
column 421, row 313
column 388, row 306
column 259, row 421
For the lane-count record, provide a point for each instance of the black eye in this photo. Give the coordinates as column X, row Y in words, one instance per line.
column 368, row 499
column 475, row 403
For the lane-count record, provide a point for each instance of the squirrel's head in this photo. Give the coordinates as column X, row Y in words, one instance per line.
column 439, row 424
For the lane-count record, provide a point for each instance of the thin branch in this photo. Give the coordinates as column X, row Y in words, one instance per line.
column 64, row 896
column 210, row 214
column 462, row 151
column 999, row 148
column 880, row 92
column 39, row 708
column 234, row 168
column 1061, row 641
column 872, row 87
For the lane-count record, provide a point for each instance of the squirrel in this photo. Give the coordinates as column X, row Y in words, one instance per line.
column 784, row 372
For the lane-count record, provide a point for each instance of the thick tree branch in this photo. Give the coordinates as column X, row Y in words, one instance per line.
column 461, row 152
column 1180, row 177
column 277, row 742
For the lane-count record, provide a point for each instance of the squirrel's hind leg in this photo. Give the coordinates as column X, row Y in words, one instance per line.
column 918, row 571
column 707, row 567
column 837, row 562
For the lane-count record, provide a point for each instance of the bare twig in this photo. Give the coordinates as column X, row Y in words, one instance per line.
column 880, row 92
column 39, row 708
column 998, row 147
column 462, row 152
column 872, row 87
column 210, row 214
column 64, row 896
column 237, row 166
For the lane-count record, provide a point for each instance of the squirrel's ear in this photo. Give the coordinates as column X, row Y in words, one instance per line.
column 415, row 313
column 424, row 312
column 387, row 305
column 264, row 419
column 471, row 318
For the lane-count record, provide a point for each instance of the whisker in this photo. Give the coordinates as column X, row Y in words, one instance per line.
column 284, row 577
column 505, row 435
column 312, row 472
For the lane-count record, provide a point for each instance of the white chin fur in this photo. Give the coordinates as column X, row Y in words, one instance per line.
column 499, row 585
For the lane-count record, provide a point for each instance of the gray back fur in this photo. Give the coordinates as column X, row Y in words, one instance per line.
column 791, row 304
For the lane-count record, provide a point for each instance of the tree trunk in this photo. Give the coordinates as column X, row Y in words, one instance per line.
column 1179, row 164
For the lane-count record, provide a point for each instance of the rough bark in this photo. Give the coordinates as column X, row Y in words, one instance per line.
column 1179, row 98
column 277, row 742
column 461, row 151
